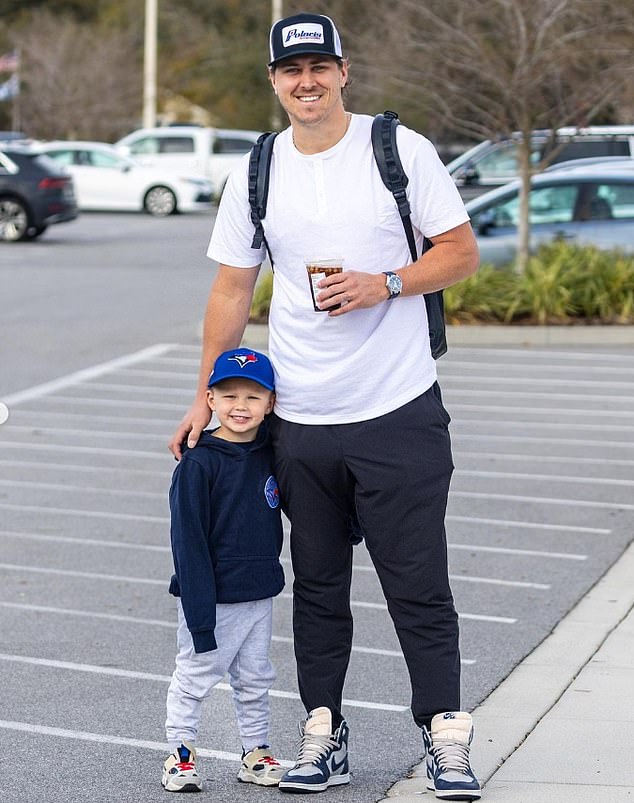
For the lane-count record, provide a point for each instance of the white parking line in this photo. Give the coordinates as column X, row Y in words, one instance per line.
column 23, row 606
column 523, row 367
column 542, row 477
column 531, row 525
column 145, row 389
column 16, row 567
column 41, row 466
column 104, row 514
column 541, row 458
column 52, row 486
column 542, row 500
column 93, row 418
column 464, row 577
column 91, row 514
column 533, row 553
column 381, row 606
column 28, row 446
column 77, row 542
column 88, row 433
column 548, row 411
column 134, row 675
column 568, row 382
column 545, row 425
column 157, row 548
column 86, row 375
column 593, row 444
column 96, row 401
column 105, row 738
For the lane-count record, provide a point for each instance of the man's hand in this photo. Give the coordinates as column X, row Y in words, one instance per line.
column 352, row 289
column 195, row 420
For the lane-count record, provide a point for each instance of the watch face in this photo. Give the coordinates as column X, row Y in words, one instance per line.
column 394, row 284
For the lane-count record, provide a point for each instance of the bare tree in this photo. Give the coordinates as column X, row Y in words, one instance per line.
column 493, row 67
column 77, row 81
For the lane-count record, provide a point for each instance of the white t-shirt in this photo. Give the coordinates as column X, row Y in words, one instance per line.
column 334, row 205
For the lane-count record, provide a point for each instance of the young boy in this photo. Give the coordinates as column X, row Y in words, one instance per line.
column 226, row 534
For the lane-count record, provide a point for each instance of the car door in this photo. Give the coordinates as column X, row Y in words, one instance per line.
column 110, row 181
column 551, row 214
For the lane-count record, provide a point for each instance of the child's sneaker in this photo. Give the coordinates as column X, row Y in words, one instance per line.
column 179, row 770
column 260, row 767
column 449, row 773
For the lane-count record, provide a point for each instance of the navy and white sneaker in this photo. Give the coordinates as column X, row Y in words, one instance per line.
column 449, row 772
column 322, row 759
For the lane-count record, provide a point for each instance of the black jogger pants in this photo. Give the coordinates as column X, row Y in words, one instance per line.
column 391, row 474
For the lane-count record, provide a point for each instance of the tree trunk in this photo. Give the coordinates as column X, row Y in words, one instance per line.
column 523, row 227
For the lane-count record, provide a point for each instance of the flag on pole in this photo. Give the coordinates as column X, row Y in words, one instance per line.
column 9, row 62
column 10, row 89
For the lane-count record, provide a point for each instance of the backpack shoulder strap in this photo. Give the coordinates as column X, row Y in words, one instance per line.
column 389, row 163
column 395, row 179
column 259, row 172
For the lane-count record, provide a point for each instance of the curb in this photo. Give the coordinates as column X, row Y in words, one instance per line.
column 256, row 335
column 516, row 707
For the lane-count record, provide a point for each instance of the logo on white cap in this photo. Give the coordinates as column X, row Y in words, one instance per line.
column 304, row 32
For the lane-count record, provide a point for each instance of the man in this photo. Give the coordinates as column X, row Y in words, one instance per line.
column 359, row 430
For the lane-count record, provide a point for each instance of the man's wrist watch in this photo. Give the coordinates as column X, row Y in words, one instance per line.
column 394, row 283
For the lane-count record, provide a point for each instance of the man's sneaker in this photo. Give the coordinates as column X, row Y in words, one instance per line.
column 259, row 766
column 322, row 759
column 179, row 770
column 449, row 773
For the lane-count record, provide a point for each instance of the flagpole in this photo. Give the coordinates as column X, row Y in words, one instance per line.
column 15, row 106
column 149, row 64
column 276, row 118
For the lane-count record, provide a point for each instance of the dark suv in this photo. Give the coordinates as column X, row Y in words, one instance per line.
column 33, row 194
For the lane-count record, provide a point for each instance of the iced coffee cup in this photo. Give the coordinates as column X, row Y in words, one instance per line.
column 317, row 270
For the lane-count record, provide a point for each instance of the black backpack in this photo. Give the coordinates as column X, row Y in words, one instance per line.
column 394, row 178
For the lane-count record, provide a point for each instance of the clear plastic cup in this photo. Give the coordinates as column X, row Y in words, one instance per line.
column 317, row 270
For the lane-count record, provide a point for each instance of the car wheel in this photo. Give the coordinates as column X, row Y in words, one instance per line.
column 160, row 201
column 14, row 220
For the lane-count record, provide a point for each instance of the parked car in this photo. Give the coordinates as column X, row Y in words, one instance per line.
column 596, row 162
column 586, row 206
column 493, row 164
column 214, row 152
column 105, row 180
column 34, row 193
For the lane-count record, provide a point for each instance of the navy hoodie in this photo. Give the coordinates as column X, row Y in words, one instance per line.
column 226, row 529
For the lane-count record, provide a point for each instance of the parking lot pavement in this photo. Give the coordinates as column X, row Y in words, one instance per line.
column 541, row 507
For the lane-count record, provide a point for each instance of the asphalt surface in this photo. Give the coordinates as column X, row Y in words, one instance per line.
column 541, row 506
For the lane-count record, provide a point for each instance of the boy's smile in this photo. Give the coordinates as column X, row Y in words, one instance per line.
column 240, row 405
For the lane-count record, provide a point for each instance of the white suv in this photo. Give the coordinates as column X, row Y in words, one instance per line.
column 212, row 152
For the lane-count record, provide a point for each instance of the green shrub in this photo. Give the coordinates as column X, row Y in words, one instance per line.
column 262, row 299
column 482, row 297
column 562, row 284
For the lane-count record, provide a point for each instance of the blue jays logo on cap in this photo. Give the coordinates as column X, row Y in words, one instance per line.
column 243, row 359
column 243, row 364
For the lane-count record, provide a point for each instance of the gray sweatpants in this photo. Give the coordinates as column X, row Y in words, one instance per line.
column 243, row 635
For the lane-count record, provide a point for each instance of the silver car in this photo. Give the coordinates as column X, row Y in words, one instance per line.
column 585, row 206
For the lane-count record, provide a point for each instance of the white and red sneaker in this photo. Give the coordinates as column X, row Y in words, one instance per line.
column 259, row 766
column 179, row 770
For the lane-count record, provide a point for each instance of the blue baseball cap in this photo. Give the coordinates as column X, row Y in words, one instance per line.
column 302, row 34
column 243, row 364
